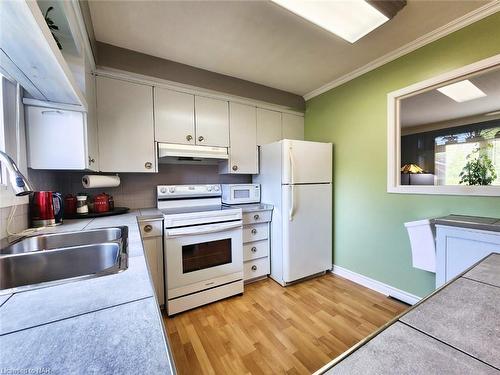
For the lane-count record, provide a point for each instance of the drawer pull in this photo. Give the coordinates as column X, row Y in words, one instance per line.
column 253, row 249
column 254, row 268
column 148, row 228
column 254, row 231
column 148, row 165
column 235, row 168
column 256, row 217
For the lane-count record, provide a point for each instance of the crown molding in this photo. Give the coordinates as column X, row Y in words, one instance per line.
column 455, row 25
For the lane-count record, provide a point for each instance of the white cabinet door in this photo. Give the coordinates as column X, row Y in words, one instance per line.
column 153, row 249
column 56, row 138
column 293, row 126
column 125, row 126
column 212, row 122
column 174, row 117
column 459, row 248
column 268, row 126
column 243, row 152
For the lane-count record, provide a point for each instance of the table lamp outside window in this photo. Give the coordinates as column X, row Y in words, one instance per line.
column 410, row 169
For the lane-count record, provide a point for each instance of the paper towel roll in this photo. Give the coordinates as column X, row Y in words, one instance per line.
column 91, row 181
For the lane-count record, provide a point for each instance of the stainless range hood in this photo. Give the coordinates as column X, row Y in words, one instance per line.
column 169, row 153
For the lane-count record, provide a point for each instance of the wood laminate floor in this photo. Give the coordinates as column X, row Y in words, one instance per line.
column 276, row 330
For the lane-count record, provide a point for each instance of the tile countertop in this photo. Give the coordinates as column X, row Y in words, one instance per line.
column 105, row 325
column 471, row 222
column 252, row 207
column 455, row 330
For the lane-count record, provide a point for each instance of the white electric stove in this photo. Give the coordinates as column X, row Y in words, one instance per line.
column 203, row 246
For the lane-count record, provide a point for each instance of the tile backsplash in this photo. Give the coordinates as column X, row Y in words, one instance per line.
column 19, row 221
column 136, row 190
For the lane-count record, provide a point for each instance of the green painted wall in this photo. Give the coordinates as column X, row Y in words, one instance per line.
column 368, row 231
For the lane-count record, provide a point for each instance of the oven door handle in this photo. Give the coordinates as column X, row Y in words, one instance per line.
column 195, row 230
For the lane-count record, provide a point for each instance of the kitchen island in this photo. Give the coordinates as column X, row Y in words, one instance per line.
column 104, row 325
column 455, row 330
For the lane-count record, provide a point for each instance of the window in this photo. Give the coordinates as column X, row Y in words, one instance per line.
column 3, row 176
column 12, row 137
column 451, row 153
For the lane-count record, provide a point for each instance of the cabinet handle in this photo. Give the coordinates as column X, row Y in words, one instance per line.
column 235, row 167
column 256, row 217
column 148, row 228
column 91, row 160
column 254, row 268
column 253, row 249
column 148, row 165
column 200, row 138
column 254, row 231
column 189, row 137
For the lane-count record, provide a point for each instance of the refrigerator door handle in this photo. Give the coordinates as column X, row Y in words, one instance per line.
column 292, row 186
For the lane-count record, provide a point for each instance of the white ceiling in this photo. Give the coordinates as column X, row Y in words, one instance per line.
column 258, row 40
column 432, row 106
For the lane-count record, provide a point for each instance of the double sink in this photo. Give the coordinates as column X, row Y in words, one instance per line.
column 50, row 259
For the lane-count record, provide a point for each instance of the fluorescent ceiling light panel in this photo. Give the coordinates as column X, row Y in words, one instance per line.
column 349, row 19
column 462, row 91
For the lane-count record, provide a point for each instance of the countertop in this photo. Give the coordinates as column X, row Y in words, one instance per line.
column 454, row 331
column 105, row 325
column 472, row 222
column 253, row 207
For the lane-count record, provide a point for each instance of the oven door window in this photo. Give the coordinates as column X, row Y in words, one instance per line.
column 199, row 256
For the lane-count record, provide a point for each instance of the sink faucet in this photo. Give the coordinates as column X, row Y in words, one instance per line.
column 20, row 184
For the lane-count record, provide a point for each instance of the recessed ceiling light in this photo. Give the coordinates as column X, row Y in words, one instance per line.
column 349, row 19
column 462, row 91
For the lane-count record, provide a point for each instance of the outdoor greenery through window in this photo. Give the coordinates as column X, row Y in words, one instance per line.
column 451, row 152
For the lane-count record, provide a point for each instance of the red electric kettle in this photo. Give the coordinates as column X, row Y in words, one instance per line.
column 42, row 208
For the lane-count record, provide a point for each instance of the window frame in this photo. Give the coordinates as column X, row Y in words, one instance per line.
column 394, row 134
column 9, row 128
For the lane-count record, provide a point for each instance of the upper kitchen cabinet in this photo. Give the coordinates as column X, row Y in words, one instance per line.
column 174, row 117
column 243, row 151
column 292, row 126
column 125, row 126
column 268, row 126
column 59, row 138
column 184, row 118
column 212, row 122
column 30, row 55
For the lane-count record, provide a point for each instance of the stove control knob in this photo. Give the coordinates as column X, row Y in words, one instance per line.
column 209, row 188
column 163, row 190
column 216, row 188
column 171, row 189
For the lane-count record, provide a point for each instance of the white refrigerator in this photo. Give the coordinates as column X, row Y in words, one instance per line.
column 296, row 177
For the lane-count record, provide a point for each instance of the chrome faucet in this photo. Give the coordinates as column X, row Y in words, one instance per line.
column 20, row 184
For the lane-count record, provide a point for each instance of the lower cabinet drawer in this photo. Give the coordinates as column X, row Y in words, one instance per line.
column 256, row 268
column 255, row 232
column 256, row 217
column 255, row 250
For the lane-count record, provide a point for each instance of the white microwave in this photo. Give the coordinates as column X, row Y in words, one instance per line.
column 240, row 193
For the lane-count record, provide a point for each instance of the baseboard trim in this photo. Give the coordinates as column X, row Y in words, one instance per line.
column 375, row 285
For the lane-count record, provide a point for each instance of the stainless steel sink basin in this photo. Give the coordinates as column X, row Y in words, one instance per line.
column 64, row 239
column 50, row 259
